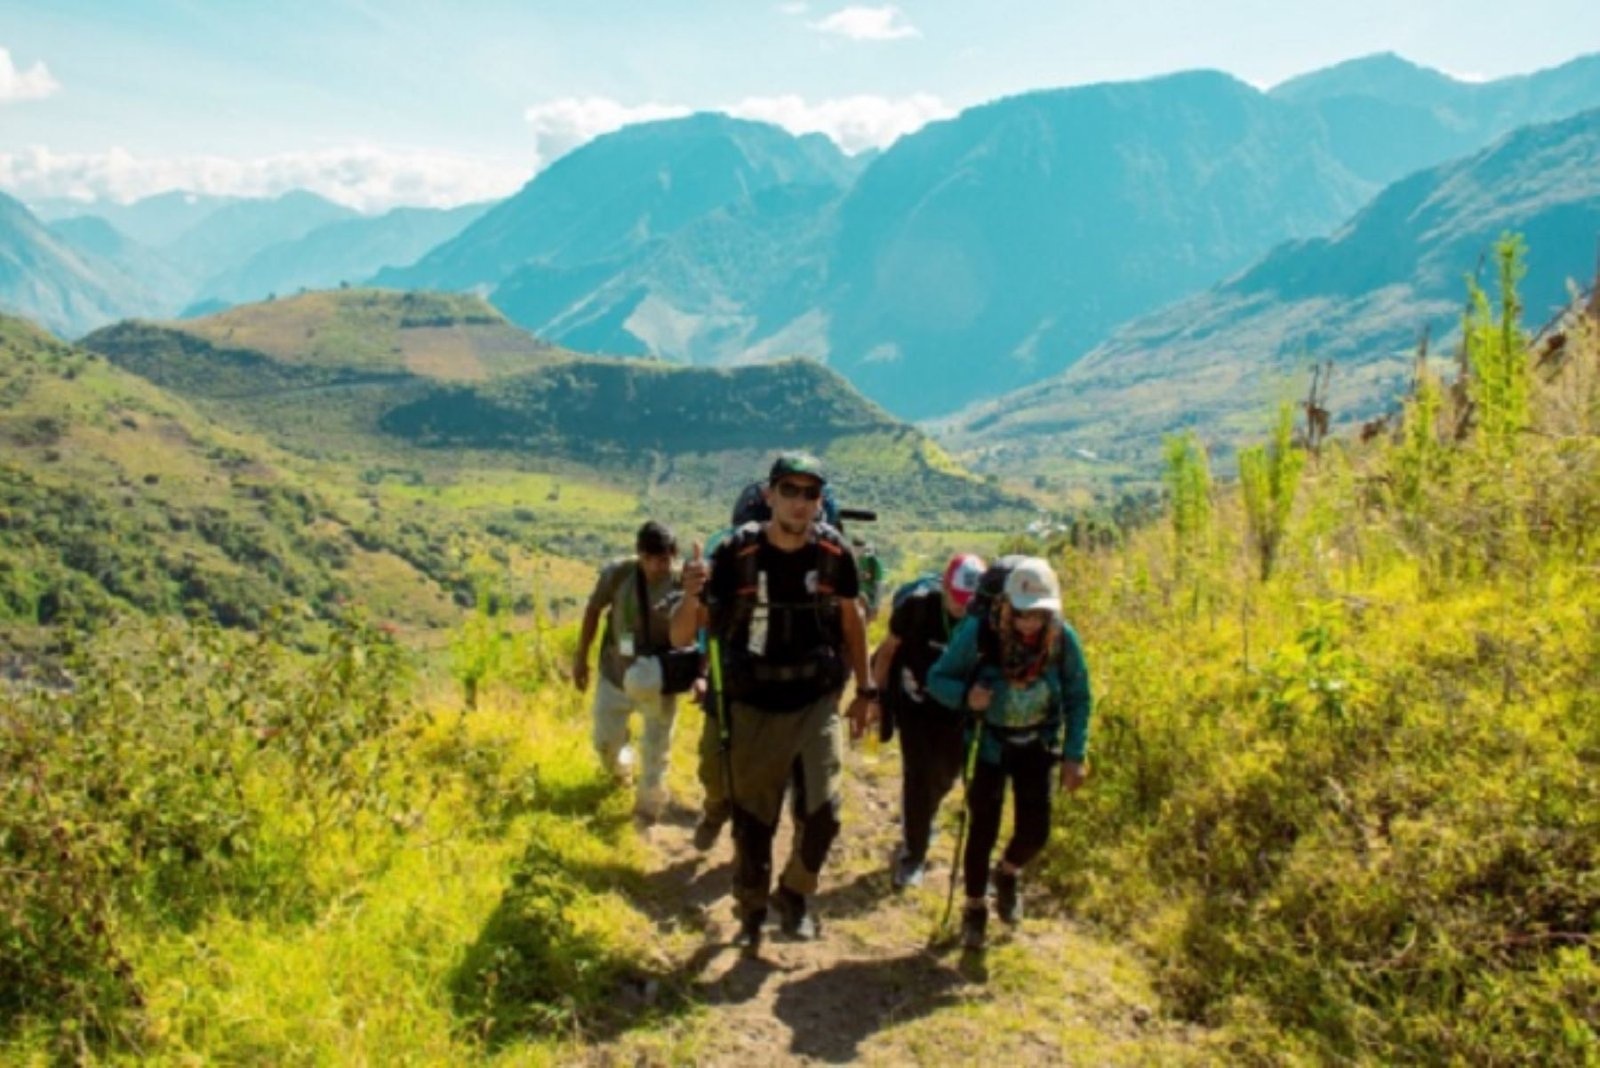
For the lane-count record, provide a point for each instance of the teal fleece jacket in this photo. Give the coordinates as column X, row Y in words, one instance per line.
column 1067, row 679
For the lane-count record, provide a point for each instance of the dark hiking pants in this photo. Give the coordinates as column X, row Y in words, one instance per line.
column 774, row 752
column 1029, row 769
column 931, row 754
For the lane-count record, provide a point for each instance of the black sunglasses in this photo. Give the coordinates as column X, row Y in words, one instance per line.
column 791, row 490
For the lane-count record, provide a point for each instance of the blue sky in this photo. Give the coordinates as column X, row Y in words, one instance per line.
column 378, row 102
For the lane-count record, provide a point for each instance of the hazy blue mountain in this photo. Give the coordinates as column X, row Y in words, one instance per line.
column 235, row 232
column 1387, row 117
column 153, row 221
column 1220, row 361
column 714, row 291
column 604, row 201
column 992, row 250
column 345, row 251
column 45, row 278
column 140, row 267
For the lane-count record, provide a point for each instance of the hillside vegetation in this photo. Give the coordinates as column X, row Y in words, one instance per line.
column 1347, row 747
column 436, row 335
column 116, row 497
column 1344, row 798
column 433, row 388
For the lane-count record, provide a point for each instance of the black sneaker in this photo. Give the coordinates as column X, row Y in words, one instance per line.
column 794, row 918
column 1007, row 902
column 907, row 871
column 707, row 831
column 749, row 936
column 974, row 921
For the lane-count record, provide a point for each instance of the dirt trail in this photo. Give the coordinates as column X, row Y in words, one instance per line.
column 872, row 988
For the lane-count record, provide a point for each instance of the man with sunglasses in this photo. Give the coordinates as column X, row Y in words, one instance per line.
column 780, row 598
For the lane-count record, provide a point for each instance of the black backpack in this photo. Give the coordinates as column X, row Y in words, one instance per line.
column 985, row 605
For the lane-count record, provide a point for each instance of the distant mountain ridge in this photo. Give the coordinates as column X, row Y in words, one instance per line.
column 980, row 253
column 346, row 250
column 1219, row 361
column 622, row 191
column 1387, row 116
column 45, row 278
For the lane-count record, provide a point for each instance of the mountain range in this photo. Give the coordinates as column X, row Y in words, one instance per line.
column 175, row 253
column 979, row 255
column 1360, row 299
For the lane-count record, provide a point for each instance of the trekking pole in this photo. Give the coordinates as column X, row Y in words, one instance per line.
column 967, row 767
column 724, row 727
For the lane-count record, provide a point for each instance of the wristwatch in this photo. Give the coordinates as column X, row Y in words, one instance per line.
column 868, row 692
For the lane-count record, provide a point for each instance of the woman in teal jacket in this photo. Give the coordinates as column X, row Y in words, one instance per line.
column 1022, row 677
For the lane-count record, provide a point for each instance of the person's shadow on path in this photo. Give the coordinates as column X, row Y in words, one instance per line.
column 833, row 1010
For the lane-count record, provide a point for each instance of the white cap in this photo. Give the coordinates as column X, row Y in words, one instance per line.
column 1032, row 585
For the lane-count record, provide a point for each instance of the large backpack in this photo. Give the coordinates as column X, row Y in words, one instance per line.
column 985, row 605
column 907, row 590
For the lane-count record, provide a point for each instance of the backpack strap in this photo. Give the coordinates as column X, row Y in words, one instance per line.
column 830, row 557
column 641, row 625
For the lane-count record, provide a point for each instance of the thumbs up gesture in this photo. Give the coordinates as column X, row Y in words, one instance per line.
column 695, row 572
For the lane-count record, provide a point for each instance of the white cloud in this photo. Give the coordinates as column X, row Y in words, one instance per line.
column 854, row 123
column 794, row 8
column 1471, row 77
column 366, row 178
column 562, row 125
column 375, row 179
column 35, row 83
column 886, row 23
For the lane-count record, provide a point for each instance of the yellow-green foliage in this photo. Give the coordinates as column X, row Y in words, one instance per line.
column 1188, row 478
column 237, row 854
column 1268, row 476
column 1497, row 353
column 1356, row 810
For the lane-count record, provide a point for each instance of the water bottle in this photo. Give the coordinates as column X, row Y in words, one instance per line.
column 758, row 618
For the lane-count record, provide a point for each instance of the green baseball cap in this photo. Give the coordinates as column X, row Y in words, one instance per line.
column 796, row 464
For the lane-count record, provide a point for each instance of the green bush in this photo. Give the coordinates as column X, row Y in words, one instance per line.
column 185, row 769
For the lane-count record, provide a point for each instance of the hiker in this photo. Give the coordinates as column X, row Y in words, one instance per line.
column 779, row 597
column 751, row 506
column 1018, row 669
column 924, row 614
column 637, row 595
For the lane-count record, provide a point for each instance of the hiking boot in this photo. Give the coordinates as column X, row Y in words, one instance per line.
column 651, row 805
column 707, row 831
column 795, row 920
column 908, row 871
column 974, row 921
column 1007, row 902
column 749, row 936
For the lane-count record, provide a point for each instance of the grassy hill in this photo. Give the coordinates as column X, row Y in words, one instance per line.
column 115, row 495
column 427, row 389
column 436, row 335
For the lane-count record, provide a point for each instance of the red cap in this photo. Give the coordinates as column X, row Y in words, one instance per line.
column 961, row 576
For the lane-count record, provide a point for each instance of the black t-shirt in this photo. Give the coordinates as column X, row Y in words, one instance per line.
column 924, row 628
column 801, row 625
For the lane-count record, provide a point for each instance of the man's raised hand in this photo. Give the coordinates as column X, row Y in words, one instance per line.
column 695, row 572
